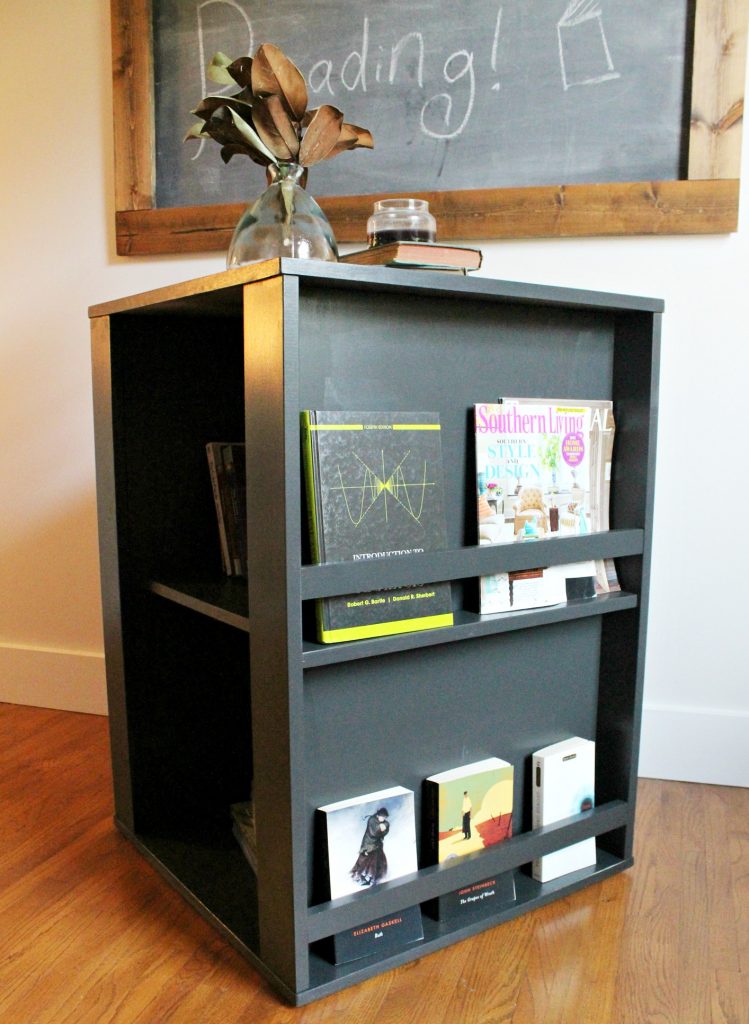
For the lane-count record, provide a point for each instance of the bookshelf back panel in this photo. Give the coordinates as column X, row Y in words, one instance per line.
column 369, row 350
column 189, row 714
column 177, row 384
column 406, row 716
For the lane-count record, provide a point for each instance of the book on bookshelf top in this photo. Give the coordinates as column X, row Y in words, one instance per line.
column 410, row 254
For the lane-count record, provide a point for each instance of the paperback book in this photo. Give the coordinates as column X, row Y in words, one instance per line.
column 226, row 464
column 543, row 470
column 563, row 785
column 367, row 840
column 375, row 490
column 468, row 809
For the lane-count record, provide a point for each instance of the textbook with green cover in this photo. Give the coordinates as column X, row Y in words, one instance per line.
column 375, row 490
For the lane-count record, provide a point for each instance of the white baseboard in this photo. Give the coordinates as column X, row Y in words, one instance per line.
column 66, row 680
column 695, row 745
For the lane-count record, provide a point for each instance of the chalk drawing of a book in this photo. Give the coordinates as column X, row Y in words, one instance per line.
column 584, row 55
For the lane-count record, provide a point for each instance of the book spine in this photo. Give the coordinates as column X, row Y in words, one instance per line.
column 430, row 823
column 314, row 513
column 236, row 524
column 215, row 471
column 537, row 811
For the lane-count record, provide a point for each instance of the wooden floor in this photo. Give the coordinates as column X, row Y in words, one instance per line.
column 90, row 934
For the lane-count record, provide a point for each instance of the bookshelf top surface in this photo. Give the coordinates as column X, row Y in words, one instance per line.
column 222, row 292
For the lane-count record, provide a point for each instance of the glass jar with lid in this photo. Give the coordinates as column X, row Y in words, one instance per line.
column 399, row 220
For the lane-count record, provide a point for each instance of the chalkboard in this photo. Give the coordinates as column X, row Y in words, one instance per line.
column 514, row 118
column 491, row 94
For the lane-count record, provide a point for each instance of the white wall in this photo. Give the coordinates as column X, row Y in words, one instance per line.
column 57, row 258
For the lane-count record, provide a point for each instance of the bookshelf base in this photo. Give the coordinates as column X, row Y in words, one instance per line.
column 199, row 871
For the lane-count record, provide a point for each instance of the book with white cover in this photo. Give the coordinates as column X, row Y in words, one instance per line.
column 370, row 839
column 563, row 785
column 379, row 828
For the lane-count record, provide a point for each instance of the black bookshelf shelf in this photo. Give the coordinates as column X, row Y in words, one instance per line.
column 468, row 625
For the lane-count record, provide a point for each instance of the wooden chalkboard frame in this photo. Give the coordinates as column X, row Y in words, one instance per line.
column 705, row 202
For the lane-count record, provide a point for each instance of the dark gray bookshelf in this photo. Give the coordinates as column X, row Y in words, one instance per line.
column 217, row 685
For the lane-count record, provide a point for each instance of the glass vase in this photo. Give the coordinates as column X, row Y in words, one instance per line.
column 284, row 221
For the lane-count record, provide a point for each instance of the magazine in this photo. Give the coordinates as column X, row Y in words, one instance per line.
column 543, row 470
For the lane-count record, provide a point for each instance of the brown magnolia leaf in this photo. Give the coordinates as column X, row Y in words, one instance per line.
column 275, row 128
column 209, row 104
column 227, row 152
column 237, row 149
column 196, row 131
column 228, row 128
column 351, row 137
column 220, row 127
column 247, row 130
column 273, row 74
column 241, row 71
column 321, row 135
column 364, row 138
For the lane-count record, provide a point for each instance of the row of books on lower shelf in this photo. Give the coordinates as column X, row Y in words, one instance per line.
column 375, row 488
column 369, row 839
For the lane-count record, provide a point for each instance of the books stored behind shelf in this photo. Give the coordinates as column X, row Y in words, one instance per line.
column 243, row 827
column 417, row 255
column 563, row 785
column 467, row 809
column 543, row 468
column 375, row 490
column 478, row 899
column 367, row 840
column 226, row 464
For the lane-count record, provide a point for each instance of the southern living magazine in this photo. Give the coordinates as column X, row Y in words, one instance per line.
column 542, row 471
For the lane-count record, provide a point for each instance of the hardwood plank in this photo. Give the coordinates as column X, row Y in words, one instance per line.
column 91, row 934
column 132, row 100
column 718, row 69
column 737, row 813
column 553, row 211
column 724, row 936
column 694, row 962
column 648, row 960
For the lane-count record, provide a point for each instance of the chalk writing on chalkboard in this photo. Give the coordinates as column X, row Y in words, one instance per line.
column 491, row 94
